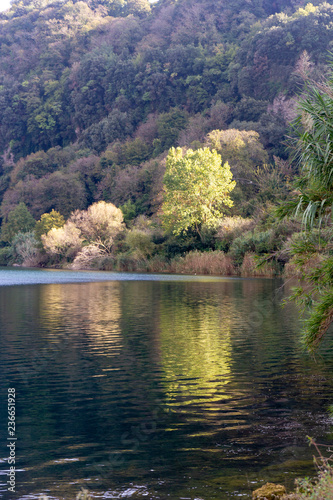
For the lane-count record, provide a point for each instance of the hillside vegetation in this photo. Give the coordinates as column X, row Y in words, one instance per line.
column 94, row 96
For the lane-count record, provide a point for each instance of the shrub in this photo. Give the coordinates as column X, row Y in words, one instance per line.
column 99, row 224
column 88, row 257
column 65, row 241
column 47, row 222
column 322, row 487
column 18, row 220
column 229, row 229
column 6, row 256
column 158, row 264
column 255, row 242
column 129, row 263
column 317, row 245
column 129, row 211
column 140, row 243
column 25, row 250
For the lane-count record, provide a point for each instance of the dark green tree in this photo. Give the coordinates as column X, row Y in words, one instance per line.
column 18, row 220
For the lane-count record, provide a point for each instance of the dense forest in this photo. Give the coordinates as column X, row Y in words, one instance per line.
column 96, row 95
column 93, row 94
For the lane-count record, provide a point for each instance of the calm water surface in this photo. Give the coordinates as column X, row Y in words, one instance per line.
column 157, row 387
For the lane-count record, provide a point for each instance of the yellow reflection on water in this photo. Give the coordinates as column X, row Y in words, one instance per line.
column 195, row 348
column 91, row 308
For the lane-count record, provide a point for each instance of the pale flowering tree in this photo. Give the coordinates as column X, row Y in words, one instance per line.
column 89, row 255
column 99, row 225
column 87, row 235
column 65, row 241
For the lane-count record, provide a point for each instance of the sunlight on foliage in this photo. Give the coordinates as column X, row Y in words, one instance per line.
column 197, row 189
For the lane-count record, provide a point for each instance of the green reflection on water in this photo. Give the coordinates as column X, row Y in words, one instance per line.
column 215, row 365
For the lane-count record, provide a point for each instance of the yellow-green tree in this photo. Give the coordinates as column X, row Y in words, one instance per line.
column 196, row 190
column 48, row 221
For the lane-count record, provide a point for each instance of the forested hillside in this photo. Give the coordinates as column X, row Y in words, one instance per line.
column 93, row 94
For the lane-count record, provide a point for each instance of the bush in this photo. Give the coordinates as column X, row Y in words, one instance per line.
column 88, row 257
column 25, row 250
column 130, row 263
column 255, row 242
column 322, row 487
column 63, row 242
column 158, row 264
column 229, row 229
column 18, row 220
column 129, row 211
column 6, row 256
column 99, row 224
column 47, row 222
column 140, row 243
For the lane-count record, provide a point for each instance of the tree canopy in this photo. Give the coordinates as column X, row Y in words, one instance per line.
column 196, row 189
column 18, row 220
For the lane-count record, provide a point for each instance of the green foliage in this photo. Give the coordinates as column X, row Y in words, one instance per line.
column 313, row 201
column 129, row 211
column 269, row 54
column 47, row 222
column 140, row 243
column 312, row 255
column 249, row 109
column 131, row 152
column 314, row 151
column 94, row 73
column 244, row 153
column 321, row 488
column 18, row 220
column 6, row 256
column 231, row 228
column 168, row 127
column 252, row 241
column 197, row 189
column 93, row 94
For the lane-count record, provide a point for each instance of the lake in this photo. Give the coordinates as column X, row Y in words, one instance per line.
column 159, row 387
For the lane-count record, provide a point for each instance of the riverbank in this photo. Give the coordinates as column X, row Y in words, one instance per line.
column 319, row 488
column 214, row 263
column 231, row 249
column 207, row 263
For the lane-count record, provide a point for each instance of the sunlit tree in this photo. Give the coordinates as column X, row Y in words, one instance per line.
column 196, row 190
column 48, row 221
column 100, row 224
column 64, row 241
